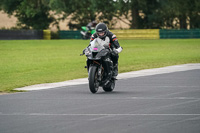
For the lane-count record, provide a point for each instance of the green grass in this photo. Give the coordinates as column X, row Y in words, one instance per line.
column 28, row 62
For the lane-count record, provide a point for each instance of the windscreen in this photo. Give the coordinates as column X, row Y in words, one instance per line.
column 96, row 45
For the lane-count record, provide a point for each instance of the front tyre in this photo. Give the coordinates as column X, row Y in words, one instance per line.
column 110, row 87
column 93, row 79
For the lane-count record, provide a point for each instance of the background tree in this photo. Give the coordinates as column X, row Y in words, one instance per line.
column 84, row 11
column 194, row 13
column 81, row 12
column 106, row 11
column 173, row 14
column 178, row 14
column 141, row 14
column 30, row 13
column 138, row 12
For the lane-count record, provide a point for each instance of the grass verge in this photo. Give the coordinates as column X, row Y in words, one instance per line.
column 28, row 62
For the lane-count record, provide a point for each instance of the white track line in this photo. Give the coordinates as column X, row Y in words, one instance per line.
column 44, row 114
column 147, row 72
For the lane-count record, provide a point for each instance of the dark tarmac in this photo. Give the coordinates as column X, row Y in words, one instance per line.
column 164, row 103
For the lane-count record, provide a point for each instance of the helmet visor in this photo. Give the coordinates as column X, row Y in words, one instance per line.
column 101, row 33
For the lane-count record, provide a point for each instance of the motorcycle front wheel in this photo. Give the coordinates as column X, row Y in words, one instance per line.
column 93, row 79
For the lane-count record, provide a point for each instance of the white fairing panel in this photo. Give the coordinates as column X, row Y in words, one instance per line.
column 105, row 42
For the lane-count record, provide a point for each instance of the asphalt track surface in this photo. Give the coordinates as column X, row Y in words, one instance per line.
column 163, row 103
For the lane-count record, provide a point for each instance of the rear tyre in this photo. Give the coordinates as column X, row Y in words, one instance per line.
column 93, row 79
column 110, row 87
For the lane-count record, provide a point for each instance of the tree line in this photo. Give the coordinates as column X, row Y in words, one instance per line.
column 141, row 14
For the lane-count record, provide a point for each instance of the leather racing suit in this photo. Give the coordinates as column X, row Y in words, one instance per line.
column 114, row 45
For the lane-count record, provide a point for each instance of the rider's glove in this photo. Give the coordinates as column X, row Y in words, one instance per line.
column 114, row 52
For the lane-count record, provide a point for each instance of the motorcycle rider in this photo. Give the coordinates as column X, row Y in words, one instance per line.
column 102, row 32
column 91, row 25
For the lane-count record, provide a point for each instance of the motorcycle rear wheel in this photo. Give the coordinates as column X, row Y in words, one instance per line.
column 93, row 79
column 110, row 87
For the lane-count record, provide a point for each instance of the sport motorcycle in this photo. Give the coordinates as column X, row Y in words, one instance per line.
column 99, row 65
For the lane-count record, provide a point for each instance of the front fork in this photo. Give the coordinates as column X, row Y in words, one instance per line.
column 100, row 72
column 99, row 68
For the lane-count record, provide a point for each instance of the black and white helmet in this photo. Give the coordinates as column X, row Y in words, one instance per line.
column 101, row 28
